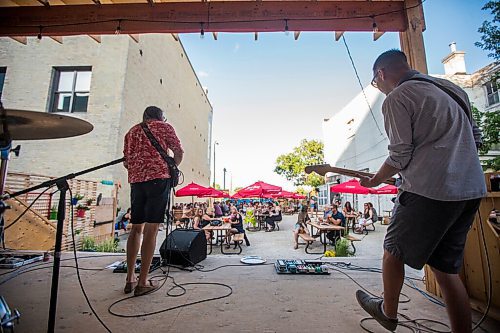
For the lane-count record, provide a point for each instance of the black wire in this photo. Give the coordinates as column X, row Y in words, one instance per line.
column 78, row 269
column 360, row 84
column 27, row 208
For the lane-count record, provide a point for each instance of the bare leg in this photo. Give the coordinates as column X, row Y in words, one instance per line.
column 457, row 301
column 133, row 244
column 147, row 251
column 296, row 238
column 393, row 276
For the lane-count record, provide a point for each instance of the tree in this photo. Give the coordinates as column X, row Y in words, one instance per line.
column 292, row 165
column 490, row 39
column 489, row 122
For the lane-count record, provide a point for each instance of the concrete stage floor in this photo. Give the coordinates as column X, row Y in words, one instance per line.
column 262, row 301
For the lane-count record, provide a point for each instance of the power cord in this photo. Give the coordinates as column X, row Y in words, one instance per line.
column 78, row 268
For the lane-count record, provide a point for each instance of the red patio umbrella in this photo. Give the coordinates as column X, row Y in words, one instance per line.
column 258, row 189
column 214, row 194
column 298, row 196
column 283, row 194
column 191, row 190
column 351, row 186
column 388, row 189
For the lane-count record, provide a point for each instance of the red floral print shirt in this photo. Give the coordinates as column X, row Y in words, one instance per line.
column 142, row 159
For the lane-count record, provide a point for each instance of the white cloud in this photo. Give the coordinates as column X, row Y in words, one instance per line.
column 202, row 74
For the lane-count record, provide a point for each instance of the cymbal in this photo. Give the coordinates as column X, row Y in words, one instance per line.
column 33, row 125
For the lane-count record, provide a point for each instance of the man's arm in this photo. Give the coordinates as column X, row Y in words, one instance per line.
column 178, row 156
column 385, row 172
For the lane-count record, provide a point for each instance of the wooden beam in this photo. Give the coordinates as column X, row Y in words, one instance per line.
column 256, row 36
column 97, row 38
column 57, row 39
column 135, row 37
column 22, row 40
column 338, row 35
column 215, row 35
column 296, row 35
column 377, row 35
column 185, row 17
column 412, row 40
column 97, row 2
column 176, row 37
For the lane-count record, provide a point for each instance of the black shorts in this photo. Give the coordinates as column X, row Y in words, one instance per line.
column 426, row 231
column 149, row 201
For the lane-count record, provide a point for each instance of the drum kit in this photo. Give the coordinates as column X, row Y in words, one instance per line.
column 32, row 125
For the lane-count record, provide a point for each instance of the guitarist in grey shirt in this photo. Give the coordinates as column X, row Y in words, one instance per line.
column 433, row 146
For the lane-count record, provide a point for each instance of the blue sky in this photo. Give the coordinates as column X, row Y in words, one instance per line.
column 271, row 93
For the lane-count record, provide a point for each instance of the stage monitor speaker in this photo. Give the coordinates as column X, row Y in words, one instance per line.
column 185, row 247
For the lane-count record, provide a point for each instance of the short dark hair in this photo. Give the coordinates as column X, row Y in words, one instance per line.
column 152, row 113
column 335, row 206
column 391, row 58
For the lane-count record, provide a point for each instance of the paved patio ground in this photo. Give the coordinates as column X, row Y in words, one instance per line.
column 261, row 300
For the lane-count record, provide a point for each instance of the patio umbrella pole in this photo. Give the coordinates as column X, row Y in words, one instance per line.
column 63, row 186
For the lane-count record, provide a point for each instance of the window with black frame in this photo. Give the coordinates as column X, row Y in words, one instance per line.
column 492, row 93
column 71, row 89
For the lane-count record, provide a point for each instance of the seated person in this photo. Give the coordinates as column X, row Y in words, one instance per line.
column 122, row 220
column 236, row 226
column 369, row 216
column 274, row 211
column 336, row 218
column 250, row 219
column 187, row 214
column 200, row 221
column 300, row 226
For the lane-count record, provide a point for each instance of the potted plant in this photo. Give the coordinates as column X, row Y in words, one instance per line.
column 53, row 213
column 80, row 210
column 76, row 198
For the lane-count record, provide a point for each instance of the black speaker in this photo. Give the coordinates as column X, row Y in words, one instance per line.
column 184, row 247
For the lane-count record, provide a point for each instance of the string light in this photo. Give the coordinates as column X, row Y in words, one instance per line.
column 119, row 28
column 39, row 36
column 287, row 32
column 202, row 31
column 374, row 25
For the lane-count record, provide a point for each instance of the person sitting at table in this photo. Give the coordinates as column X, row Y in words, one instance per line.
column 236, row 227
column 369, row 216
column 301, row 226
column 250, row 219
column 274, row 215
column 200, row 221
column 187, row 214
column 336, row 218
column 348, row 210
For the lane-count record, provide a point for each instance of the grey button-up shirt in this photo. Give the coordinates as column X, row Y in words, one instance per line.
column 432, row 141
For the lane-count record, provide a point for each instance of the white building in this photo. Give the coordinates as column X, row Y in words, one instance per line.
column 355, row 138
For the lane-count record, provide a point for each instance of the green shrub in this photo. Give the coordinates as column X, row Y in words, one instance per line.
column 342, row 248
column 88, row 244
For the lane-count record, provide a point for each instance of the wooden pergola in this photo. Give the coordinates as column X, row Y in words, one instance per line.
column 58, row 18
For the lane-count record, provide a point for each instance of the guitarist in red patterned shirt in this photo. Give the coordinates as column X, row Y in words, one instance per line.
column 149, row 178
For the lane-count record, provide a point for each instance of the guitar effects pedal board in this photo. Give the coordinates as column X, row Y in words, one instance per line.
column 292, row 266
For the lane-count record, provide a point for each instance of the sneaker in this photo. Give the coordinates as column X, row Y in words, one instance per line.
column 373, row 306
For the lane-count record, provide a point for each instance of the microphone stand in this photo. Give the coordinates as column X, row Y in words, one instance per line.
column 63, row 186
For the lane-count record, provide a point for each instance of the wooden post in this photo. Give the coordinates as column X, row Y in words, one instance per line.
column 412, row 40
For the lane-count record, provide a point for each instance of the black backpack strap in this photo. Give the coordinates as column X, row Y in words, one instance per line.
column 448, row 91
column 155, row 142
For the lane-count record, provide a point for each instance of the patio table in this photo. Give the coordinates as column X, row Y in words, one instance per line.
column 220, row 232
column 323, row 230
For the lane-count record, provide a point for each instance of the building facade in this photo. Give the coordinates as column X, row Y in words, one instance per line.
column 355, row 138
column 108, row 83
